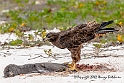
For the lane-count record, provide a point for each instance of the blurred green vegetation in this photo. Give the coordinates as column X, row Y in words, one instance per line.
column 60, row 13
column 64, row 13
column 15, row 42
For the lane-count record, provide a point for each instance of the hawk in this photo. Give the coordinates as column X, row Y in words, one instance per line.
column 73, row 38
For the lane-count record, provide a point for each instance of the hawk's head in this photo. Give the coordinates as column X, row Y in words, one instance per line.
column 52, row 36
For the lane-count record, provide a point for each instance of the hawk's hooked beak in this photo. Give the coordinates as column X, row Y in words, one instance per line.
column 45, row 39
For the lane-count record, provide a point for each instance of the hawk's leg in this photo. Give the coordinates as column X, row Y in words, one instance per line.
column 75, row 54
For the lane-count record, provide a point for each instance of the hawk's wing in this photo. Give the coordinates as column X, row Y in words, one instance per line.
column 76, row 36
column 80, row 26
column 82, row 33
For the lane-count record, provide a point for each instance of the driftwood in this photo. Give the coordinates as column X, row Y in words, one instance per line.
column 12, row 70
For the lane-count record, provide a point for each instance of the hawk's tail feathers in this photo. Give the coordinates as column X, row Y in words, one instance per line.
column 106, row 23
column 106, row 30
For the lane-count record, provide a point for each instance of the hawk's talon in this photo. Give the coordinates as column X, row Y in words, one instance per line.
column 72, row 66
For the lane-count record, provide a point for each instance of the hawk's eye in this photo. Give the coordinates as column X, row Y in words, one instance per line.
column 48, row 35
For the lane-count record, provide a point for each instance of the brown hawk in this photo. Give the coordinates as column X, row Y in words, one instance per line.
column 73, row 38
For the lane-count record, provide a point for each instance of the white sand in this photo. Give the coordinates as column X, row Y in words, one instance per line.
column 21, row 56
